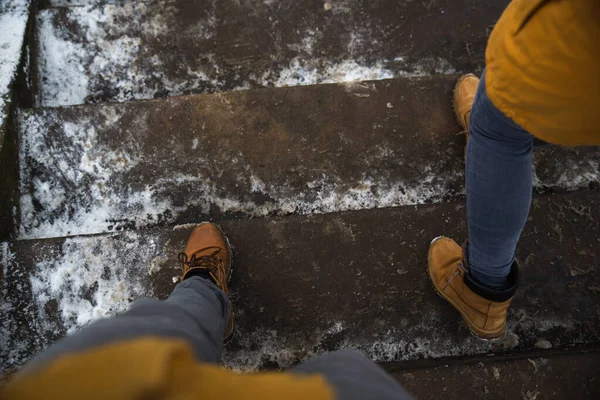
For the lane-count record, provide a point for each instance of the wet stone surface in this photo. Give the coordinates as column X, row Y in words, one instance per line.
column 572, row 376
column 300, row 150
column 304, row 285
column 148, row 49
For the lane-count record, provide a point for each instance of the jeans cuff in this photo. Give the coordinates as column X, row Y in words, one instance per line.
column 497, row 295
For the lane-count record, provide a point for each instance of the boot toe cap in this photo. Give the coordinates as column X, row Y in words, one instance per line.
column 205, row 235
column 444, row 254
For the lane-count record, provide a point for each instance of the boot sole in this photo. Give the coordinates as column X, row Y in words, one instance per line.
column 485, row 336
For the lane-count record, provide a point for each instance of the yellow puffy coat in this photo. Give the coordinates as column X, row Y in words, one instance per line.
column 154, row 368
column 543, row 69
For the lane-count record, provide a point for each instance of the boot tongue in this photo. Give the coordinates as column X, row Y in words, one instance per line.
column 205, row 263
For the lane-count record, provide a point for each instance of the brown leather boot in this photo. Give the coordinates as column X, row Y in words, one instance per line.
column 464, row 95
column 484, row 310
column 208, row 254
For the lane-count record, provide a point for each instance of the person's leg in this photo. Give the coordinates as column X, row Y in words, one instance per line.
column 354, row 376
column 481, row 279
column 197, row 311
column 499, row 186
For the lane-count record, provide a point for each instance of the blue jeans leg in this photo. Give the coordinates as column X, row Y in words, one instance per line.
column 499, row 186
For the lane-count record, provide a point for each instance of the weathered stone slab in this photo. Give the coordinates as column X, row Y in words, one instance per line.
column 304, row 285
column 13, row 21
column 313, row 149
column 564, row 377
column 14, row 15
column 147, row 49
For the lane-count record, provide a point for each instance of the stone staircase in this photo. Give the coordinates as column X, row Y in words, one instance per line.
column 148, row 117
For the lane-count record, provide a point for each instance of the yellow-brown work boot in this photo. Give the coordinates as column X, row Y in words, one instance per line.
column 484, row 310
column 464, row 95
column 208, row 254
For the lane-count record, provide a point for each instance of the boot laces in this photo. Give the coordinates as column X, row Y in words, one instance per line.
column 460, row 270
column 211, row 263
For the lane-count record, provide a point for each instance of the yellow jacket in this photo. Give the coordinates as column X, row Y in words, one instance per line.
column 154, row 368
column 543, row 69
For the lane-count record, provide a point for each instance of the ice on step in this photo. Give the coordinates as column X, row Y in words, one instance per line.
column 82, row 191
column 112, row 167
column 124, row 51
column 13, row 20
column 92, row 278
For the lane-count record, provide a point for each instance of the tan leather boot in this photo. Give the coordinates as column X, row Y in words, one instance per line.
column 464, row 95
column 483, row 310
column 208, row 251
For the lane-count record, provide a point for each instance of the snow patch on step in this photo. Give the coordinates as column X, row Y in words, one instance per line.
column 302, row 72
column 6, row 257
column 142, row 208
column 68, row 286
column 324, row 195
column 66, row 65
column 78, row 3
column 12, row 352
column 104, row 208
column 576, row 174
column 96, row 167
column 259, row 347
column 92, row 278
column 13, row 21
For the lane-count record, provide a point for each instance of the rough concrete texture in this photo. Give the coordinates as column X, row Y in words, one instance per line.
column 304, row 285
column 312, row 149
column 9, row 195
column 14, row 62
column 75, row 3
column 573, row 376
column 13, row 21
column 158, row 48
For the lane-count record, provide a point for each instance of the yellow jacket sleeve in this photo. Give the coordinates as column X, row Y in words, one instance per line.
column 153, row 368
column 543, row 68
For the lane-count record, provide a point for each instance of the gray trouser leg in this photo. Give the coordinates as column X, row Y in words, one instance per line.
column 354, row 376
column 196, row 311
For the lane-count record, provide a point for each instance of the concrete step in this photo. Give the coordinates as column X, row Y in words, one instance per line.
column 14, row 62
column 304, row 285
column 567, row 376
column 157, row 48
column 278, row 151
column 13, row 22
